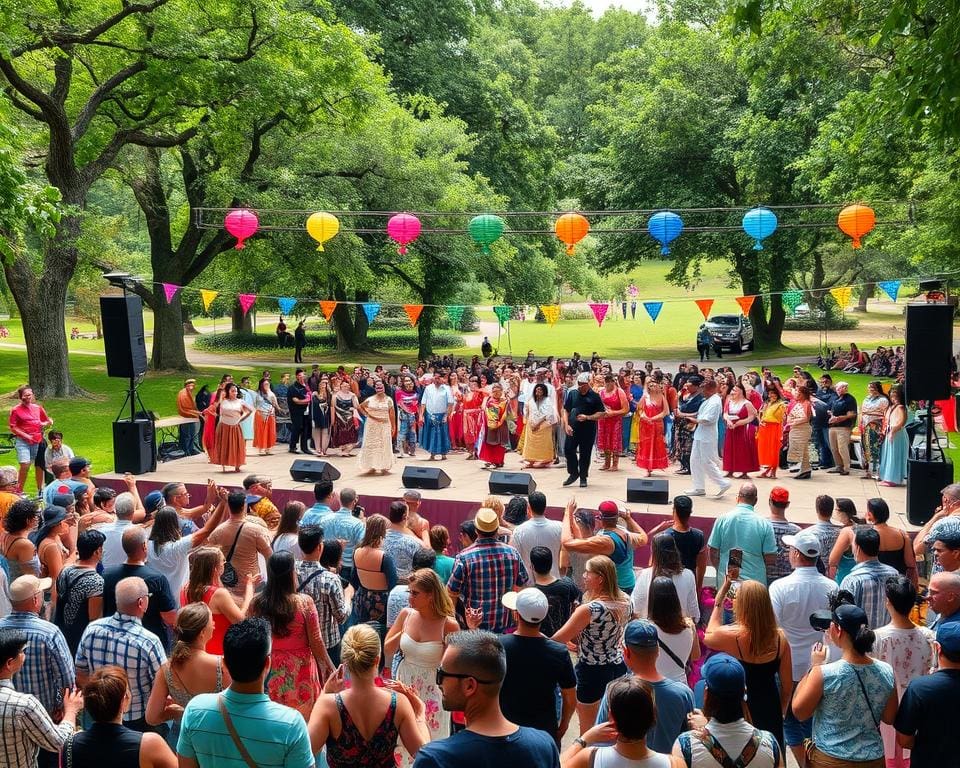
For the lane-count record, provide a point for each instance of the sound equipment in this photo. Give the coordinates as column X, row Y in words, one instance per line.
column 123, row 339
column 928, row 348
column 134, row 446
column 428, row 478
column 925, row 480
column 512, row 484
column 648, row 490
column 313, row 471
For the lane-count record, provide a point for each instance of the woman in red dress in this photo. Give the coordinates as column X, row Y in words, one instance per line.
column 455, row 427
column 610, row 426
column 496, row 434
column 210, row 420
column 472, row 417
column 739, row 442
column 652, row 410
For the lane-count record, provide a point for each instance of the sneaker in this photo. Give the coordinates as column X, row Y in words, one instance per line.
column 583, row 483
column 694, row 492
column 723, row 489
column 570, row 480
column 833, row 471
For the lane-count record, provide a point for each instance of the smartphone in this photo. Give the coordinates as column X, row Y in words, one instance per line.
column 736, row 559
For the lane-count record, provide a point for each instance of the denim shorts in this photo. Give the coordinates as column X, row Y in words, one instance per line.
column 26, row 453
column 796, row 731
column 592, row 680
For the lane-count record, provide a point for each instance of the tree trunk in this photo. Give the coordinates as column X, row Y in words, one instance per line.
column 866, row 293
column 169, row 351
column 343, row 323
column 239, row 322
column 425, row 333
column 360, row 323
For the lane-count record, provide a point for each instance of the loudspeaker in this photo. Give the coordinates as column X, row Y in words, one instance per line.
column 925, row 480
column 313, row 471
column 928, row 348
column 123, row 340
column 512, row 483
column 134, row 448
column 648, row 490
column 429, row 478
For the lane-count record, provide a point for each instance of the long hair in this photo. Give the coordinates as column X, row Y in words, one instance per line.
column 165, row 529
column 664, row 556
column 204, row 562
column 663, row 606
column 604, row 568
column 426, row 580
column 191, row 621
column 290, row 518
column 754, row 612
column 277, row 603
column 375, row 532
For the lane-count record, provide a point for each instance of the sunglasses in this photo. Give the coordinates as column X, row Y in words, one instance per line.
column 442, row 674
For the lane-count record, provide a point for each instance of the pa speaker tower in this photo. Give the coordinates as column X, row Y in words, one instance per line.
column 123, row 338
column 928, row 348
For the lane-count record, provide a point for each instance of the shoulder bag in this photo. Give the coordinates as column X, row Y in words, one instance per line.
column 229, row 577
column 234, row 735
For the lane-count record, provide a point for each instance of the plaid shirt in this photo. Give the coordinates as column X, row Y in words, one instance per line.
column 48, row 668
column 868, row 584
column 327, row 592
column 25, row 727
column 482, row 574
column 122, row 640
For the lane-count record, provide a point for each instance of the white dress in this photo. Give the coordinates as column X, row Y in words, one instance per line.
column 376, row 451
column 418, row 669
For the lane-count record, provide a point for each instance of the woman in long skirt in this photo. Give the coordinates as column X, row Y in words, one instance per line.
column 651, row 411
column 739, row 442
column 770, row 434
column 230, row 448
column 376, row 452
column 264, row 418
column 455, row 427
column 210, row 421
column 345, row 419
column 496, row 434
column 540, row 416
column 472, row 417
column 896, row 446
column 872, row 410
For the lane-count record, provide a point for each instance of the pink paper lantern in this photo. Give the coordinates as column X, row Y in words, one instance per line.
column 404, row 228
column 241, row 223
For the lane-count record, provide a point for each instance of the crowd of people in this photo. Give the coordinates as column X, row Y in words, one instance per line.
column 887, row 362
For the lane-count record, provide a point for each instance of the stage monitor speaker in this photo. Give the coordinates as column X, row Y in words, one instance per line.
column 928, row 348
column 313, row 471
column 512, row 484
column 134, row 446
column 123, row 339
column 428, row 478
column 925, row 480
column 648, row 490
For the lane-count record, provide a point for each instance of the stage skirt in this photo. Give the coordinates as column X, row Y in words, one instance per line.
column 264, row 430
column 230, row 449
column 538, row 444
column 435, row 437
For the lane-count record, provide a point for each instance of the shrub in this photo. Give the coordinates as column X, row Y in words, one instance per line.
column 239, row 343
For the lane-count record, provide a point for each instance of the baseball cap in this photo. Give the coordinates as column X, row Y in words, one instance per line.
column 153, row 501
column 640, row 633
column 609, row 509
column 25, row 587
column 850, row 618
column 583, row 378
column 807, row 543
column 947, row 531
column 948, row 635
column 779, row 495
column 486, row 520
column 530, row 603
column 724, row 675
column 78, row 463
column 64, row 500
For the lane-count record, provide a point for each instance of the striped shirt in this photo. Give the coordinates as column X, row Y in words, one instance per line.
column 25, row 727
column 122, row 640
column 482, row 574
column 868, row 584
column 48, row 669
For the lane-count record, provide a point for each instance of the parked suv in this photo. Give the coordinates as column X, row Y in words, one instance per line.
column 733, row 332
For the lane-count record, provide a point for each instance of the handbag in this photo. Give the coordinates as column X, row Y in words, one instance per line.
column 234, row 735
column 230, row 577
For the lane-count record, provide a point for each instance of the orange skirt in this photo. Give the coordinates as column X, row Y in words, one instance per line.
column 264, row 430
column 229, row 449
column 769, row 438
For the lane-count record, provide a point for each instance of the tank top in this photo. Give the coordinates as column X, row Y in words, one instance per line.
column 220, row 622
column 351, row 749
column 230, row 412
column 181, row 695
column 894, row 558
column 622, row 559
column 105, row 745
column 608, row 757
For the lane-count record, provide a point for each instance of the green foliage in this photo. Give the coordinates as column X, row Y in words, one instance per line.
column 239, row 343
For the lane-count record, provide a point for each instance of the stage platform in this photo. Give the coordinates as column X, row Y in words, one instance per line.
column 469, row 485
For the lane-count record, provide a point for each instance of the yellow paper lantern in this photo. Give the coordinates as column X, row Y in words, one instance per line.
column 322, row 226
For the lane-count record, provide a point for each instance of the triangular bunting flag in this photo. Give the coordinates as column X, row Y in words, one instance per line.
column 791, row 300
column 455, row 313
column 413, row 312
column 705, row 306
column 842, row 295
column 207, row 297
column 653, row 309
column 599, row 312
column 170, row 290
column 891, row 288
column 327, row 307
column 286, row 305
column 246, row 301
column 371, row 309
column 551, row 313
column 502, row 311
column 745, row 303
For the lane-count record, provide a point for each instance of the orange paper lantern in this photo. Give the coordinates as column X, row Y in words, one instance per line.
column 571, row 228
column 856, row 221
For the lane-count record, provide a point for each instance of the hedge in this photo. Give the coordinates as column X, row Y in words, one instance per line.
column 813, row 323
column 238, row 343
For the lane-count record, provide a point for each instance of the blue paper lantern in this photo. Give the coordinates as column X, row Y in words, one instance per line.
column 665, row 227
column 759, row 223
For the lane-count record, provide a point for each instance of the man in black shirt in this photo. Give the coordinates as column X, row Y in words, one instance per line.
column 842, row 418
column 298, row 400
column 563, row 594
column 299, row 342
column 823, row 400
column 690, row 541
column 582, row 408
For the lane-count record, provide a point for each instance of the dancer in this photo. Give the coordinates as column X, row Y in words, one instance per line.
column 739, row 442
column 346, row 419
column 408, row 402
column 651, row 411
column 495, row 437
column 770, row 434
column 610, row 428
column 436, row 407
column 265, row 418
column 703, row 455
column 229, row 447
column 582, row 408
column 541, row 415
column 321, row 407
column 472, row 417
column 376, row 451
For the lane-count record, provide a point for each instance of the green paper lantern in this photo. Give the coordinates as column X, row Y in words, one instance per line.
column 486, row 229
column 502, row 311
column 455, row 313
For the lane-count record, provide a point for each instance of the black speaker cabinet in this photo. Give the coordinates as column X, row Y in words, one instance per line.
column 512, row 483
column 123, row 339
column 313, row 471
column 925, row 480
column 428, row 478
column 928, row 348
column 134, row 447
column 648, row 490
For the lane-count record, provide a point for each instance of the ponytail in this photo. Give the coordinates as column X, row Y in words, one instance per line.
column 864, row 640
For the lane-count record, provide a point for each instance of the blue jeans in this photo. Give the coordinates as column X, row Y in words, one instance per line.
column 407, row 429
column 188, row 438
column 821, row 439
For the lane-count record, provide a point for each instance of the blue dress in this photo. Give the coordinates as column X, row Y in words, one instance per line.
column 893, row 457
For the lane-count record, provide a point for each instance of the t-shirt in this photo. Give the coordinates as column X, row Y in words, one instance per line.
column 690, row 543
column 254, row 538
column 75, row 586
column 744, row 529
column 674, row 702
column 536, row 666
column 538, row 532
column 443, row 566
column 27, row 419
column 575, row 404
column 161, row 597
column 527, row 747
column 841, row 407
column 401, row 547
column 563, row 595
column 928, row 706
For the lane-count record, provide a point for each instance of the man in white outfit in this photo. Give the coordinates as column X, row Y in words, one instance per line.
column 704, row 456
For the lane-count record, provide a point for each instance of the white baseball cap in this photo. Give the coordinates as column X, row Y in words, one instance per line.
column 807, row 543
column 530, row 603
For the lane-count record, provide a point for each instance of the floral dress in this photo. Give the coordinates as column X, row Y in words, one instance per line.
column 294, row 679
column 418, row 669
column 352, row 750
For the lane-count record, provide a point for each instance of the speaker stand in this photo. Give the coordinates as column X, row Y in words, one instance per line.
column 133, row 400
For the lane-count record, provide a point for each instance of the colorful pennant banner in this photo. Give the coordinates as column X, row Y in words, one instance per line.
column 246, row 301
column 170, row 290
column 502, row 311
column 705, row 306
column 286, row 304
column 455, row 313
column 413, row 312
column 745, row 302
column 551, row 313
column 327, row 307
column 891, row 288
column 207, row 297
column 653, row 309
column 371, row 309
column 842, row 296
column 791, row 300
column 599, row 312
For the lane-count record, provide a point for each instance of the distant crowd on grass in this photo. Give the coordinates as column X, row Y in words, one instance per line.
column 887, row 362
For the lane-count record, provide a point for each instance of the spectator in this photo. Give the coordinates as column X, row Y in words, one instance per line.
column 337, row 525
column 690, row 541
column 744, row 529
column 665, row 561
column 25, row 725
column 285, row 534
column 177, row 496
column 206, row 568
column 439, row 542
column 121, row 640
column 418, row 525
column 538, row 531
column 16, row 548
column 8, row 490
column 563, row 595
column 949, row 508
column 373, row 577
column 676, row 632
column 824, row 529
column 896, row 550
column 944, row 597
column 113, row 554
column 778, row 502
column 323, row 587
column 868, row 580
column 841, row 420
column 399, row 597
column 168, row 548
column 611, row 540
column 80, row 590
column 241, row 538
column 259, row 489
column 241, row 721
column 400, row 543
column 841, row 556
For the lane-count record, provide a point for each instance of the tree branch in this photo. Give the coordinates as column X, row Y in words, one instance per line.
column 419, row 289
column 95, row 168
column 47, row 105
column 36, row 114
column 101, row 92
